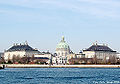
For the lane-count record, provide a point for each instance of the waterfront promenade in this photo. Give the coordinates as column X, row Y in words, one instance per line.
column 59, row 66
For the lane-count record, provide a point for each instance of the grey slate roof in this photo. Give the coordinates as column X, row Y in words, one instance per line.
column 99, row 48
column 21, row 48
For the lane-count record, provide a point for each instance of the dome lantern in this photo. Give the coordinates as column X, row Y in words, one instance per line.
column 63, row 39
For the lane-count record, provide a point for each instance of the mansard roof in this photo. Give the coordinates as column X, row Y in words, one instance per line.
column 99, row 48
column 21, row 48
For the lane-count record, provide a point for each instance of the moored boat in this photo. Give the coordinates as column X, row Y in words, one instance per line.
column 2, row 66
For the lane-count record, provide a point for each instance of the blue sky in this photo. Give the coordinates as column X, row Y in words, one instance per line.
column 43, row 22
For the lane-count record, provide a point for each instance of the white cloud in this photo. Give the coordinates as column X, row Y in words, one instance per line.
column 98, row 8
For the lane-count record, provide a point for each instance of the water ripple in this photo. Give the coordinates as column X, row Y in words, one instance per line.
column 58, row 75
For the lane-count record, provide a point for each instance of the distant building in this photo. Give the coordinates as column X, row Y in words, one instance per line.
column 100, row 54
column 45, row 57
column 77, row 58
column 95, row 54
column 41, row 60
column 19, row 50
column 44, row 54
column 80, row 55
column 70, row 56
column 62, row 51
column 80, row 61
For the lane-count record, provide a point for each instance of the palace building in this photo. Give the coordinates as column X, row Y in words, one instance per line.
column 100, row 54
column 95, row 54
column 20, row 50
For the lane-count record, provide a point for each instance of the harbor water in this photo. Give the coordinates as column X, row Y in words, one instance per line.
column 60, row 76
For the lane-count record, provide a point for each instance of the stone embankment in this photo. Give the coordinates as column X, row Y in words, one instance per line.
column 59, row 66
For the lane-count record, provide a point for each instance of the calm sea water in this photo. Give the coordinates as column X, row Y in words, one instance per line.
column 60, row 76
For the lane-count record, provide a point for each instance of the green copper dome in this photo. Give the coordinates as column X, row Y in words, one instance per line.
column 63, row 45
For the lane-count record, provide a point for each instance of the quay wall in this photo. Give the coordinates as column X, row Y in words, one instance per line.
column 59, row 66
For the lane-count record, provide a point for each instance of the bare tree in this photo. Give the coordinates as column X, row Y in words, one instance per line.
column 32, row 58
column 18, row 58
column 95, row 59
column 14, row 59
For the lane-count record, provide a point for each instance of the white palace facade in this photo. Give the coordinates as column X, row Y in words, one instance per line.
column 101, row 53
column 20, row 50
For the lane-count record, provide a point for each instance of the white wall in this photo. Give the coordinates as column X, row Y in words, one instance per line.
column 89, row 54
column 9, row 55
column 43, row 55
column 99, row 54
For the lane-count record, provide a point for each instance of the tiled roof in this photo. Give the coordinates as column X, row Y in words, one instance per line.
column 21, row 48
column 99, row 48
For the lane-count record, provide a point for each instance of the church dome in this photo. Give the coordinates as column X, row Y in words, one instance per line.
column 63, row 45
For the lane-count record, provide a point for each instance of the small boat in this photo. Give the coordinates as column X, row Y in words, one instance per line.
column 2, row 66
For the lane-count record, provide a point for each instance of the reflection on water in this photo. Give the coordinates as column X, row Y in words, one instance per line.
column 60, row 76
